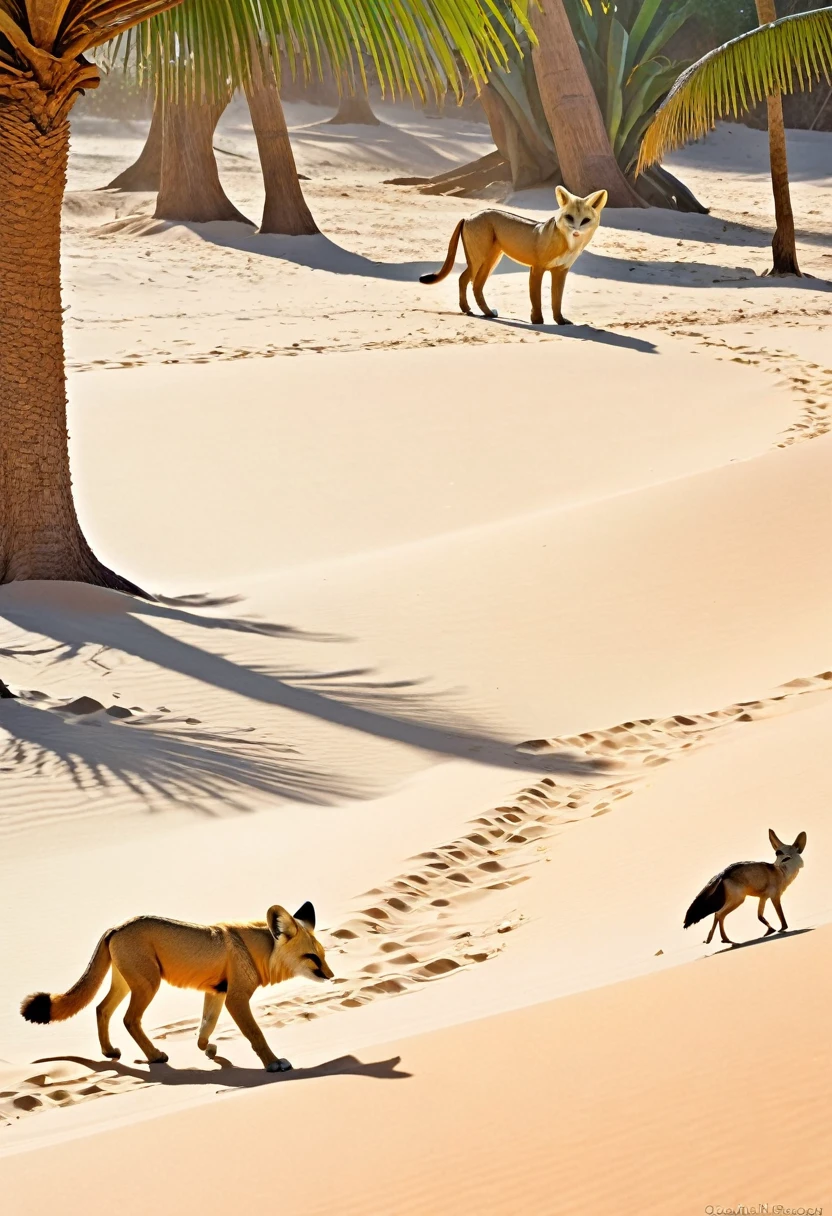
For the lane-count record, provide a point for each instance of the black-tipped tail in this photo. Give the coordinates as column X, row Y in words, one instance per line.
column 708, row 902
column 429, row 278
column 37, row 1008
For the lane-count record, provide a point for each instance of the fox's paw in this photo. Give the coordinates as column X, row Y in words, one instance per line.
column 160, row 1058
column 210, row 1050
column 278, row 1066
column 538, row 320
column 113, row 1054
column 562, row 321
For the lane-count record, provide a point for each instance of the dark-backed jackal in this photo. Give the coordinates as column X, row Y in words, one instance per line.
column 763, row 880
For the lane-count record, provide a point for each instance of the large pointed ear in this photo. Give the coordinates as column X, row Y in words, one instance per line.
column 598, row 200
column 280, row 922
column 800, row 842
column 562, row 196
column 306, row 915
column 776, row 842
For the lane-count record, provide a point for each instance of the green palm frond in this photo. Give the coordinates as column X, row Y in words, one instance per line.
column 415, row 46
column 728, row 80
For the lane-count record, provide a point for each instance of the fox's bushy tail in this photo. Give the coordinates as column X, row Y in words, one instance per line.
column 448, row 264
column 708, row 902
column 46, row 1007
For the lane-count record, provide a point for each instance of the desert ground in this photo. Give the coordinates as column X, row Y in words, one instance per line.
column 517, row 636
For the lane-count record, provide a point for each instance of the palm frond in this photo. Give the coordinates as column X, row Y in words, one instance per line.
column 414, row 46
column 730, row 79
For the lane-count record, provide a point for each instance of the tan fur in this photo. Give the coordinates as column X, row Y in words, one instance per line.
column 763, row 880
column 552, row 245
column 228, row 962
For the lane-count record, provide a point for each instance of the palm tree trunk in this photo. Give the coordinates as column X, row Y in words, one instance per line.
column 146, row 172
column 784, row 250
column 40, row 537
column 190, row 188
column 354, row 107
column 285, row 209
column 583, row 149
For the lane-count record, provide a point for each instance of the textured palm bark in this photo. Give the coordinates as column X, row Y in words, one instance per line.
column 40, row 537
column 146, row 172
column 190, row 188
column 584, row 154
column 783, row 246
column 285, row 210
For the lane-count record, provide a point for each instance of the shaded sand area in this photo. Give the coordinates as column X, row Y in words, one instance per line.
column 496, row 652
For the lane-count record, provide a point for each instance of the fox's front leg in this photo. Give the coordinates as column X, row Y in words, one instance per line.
column 535, row 288
column 237, row 1004
column 211, row 1010
column 558, row 282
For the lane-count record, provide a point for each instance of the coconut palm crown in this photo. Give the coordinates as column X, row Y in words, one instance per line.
column 774, row 59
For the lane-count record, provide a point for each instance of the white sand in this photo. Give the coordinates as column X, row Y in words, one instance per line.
column 614, row 543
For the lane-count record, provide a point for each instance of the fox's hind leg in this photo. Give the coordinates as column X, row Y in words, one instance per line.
column 732, row 901
column 143, row 988
column 775, row 899
column 760, row 909
column 464, row 281
column 211, row 1010
column 103, row 1012
column 486, row 266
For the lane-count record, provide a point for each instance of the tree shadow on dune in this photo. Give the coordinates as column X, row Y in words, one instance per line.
column 229, row 1076
column 210, row 771
column 397, row 711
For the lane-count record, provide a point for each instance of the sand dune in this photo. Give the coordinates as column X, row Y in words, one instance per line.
column 494, row 643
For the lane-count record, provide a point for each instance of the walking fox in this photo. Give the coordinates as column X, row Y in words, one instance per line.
column 762, row 879
column 226, row 962
column 552, row 244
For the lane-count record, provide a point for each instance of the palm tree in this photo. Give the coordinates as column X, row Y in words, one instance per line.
column 766, row 62
column 43, row 69
column 584, row 152
column 199, row 54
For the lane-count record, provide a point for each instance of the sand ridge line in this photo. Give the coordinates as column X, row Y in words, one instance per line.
column 419, row 927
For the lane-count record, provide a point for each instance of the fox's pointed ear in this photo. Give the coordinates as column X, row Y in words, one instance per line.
column 280, row 922
column 800, row 842
column 776, row 842
column 306, row 915
column 562, row 196
column 598, row 200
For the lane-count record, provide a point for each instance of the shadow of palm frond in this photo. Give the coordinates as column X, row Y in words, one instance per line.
column 397, row 711
column 209, row 771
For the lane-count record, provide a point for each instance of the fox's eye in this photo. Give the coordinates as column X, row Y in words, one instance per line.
column 571, row 219
column 313, row 958
column 584, row 221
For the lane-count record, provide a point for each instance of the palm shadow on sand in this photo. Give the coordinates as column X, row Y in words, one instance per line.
column 320, row 253
column 176, row 761
column 230, row 1076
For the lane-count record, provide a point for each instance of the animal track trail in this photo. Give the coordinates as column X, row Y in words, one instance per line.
column 811, row 382
column 34, row 1089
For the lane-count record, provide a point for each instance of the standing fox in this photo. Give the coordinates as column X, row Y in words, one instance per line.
column 762, row 879
column 552, row 244
column 226, row 962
